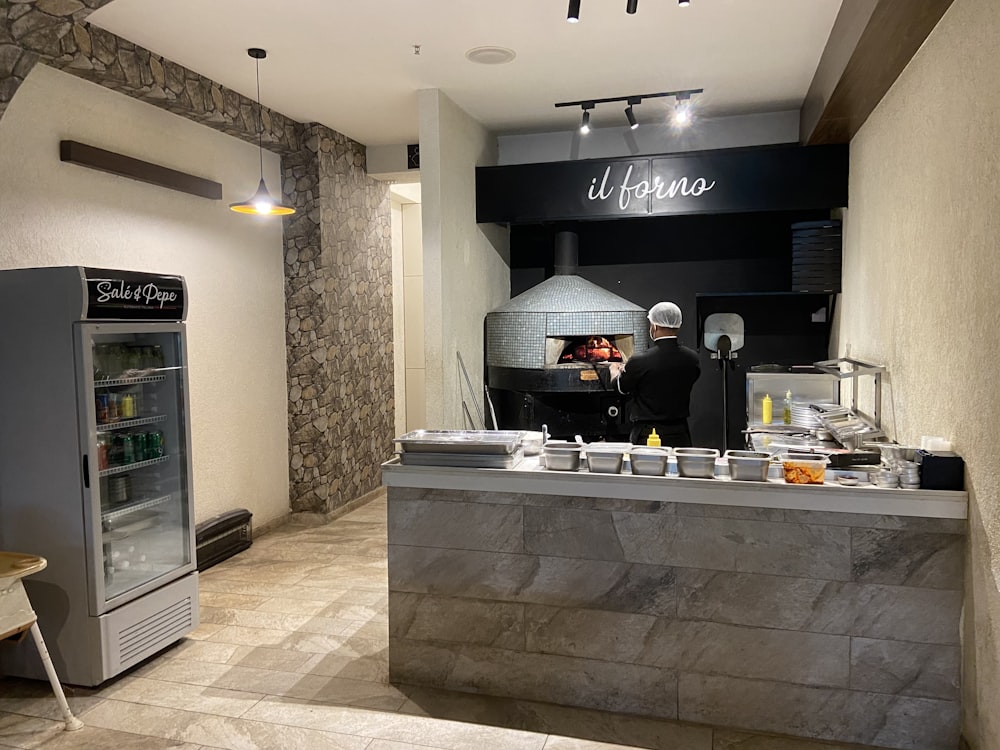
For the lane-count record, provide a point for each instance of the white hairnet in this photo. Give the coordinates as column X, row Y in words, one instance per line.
column 665, row 315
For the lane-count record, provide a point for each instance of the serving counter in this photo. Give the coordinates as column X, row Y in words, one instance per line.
column 810, row 610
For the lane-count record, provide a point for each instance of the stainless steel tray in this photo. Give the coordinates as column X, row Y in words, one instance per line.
column 462, row 460
column 460, row 441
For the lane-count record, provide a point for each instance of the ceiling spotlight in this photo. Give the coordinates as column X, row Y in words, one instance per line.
column 683, row 3
column 585, row 122
column 630, row 116
column 573, row 16
column 682, row 110
column 632, row 6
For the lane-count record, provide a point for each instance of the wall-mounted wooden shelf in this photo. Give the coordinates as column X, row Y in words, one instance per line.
column 136, row 169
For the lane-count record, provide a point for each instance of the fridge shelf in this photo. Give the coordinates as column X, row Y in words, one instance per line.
column 124, row 510
column 107, row 382
column 126, row 423
column 132, row 467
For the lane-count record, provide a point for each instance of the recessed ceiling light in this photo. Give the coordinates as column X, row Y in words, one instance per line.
column 490, row 55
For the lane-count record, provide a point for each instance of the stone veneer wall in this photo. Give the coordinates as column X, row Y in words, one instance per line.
column 835, row 626
column 338, row 255
column 339, row 292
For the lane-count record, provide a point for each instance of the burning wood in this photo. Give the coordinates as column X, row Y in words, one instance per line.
column 594, row 349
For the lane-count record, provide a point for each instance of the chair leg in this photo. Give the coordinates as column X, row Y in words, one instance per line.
column 72, row 723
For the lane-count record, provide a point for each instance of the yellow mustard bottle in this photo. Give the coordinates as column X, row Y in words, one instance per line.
column 128, row 406
column 767, row 409
column 653, row 439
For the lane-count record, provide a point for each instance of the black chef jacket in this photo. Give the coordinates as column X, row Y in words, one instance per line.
column 658, row 382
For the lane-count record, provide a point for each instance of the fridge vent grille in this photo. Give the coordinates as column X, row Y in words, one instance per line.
column 146, row 636
column 222, row 537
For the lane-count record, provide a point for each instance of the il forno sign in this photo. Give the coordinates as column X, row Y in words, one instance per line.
column 779, row 178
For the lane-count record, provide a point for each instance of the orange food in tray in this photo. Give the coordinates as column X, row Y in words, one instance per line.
column 803, row 472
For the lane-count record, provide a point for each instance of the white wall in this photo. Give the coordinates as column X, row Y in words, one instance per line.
column 413, row 304
column 703, row 134
column 921, row 290
column 466, row 271
column 398, row 322
column 54, row 214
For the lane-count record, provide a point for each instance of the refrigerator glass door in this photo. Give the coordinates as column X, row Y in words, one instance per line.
column 134, row 429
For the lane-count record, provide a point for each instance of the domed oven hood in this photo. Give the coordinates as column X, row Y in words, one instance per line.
column 525, row 336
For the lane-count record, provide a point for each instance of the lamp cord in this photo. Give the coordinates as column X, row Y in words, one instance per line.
column 260, row 124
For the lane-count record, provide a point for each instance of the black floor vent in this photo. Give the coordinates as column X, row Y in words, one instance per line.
column 223, row 536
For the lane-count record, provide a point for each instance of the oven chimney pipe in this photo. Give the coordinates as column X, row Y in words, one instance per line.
column 567, row 259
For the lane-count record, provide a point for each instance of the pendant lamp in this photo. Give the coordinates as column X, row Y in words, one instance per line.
column 261, row 202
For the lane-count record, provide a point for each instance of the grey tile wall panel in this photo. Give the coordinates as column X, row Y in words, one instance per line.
column 631, row 689
column 901, row 613
column 915, row 669
column 431, row 523
column 907, row 558
column 823, row 713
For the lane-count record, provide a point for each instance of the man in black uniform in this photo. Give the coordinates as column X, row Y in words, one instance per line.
column 658, row 381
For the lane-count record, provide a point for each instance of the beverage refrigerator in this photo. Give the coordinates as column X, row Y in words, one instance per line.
column 95, row 465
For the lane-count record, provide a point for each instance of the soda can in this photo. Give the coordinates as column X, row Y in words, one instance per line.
column 141, row 446
column 154, row 444
column 128, row 449
column 103, row 401
column 115, row 453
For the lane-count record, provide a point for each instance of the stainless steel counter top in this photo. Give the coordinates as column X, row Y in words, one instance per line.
column 529, row 477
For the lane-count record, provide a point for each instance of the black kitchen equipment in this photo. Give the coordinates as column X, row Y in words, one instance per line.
column 941, row 470
column 724, row 337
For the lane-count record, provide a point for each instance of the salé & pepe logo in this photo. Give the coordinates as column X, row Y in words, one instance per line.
column 145, row 294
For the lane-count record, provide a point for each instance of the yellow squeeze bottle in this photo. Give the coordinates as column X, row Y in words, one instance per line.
column 653, row 439
column 767, row 407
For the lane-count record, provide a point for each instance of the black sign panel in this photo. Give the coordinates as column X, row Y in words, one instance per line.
column 777, row 178
column 562, row 190
column 132, row 295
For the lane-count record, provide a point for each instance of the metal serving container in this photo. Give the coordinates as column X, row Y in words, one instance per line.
column 460, row 441
column 649, row 461
column 532, row 442
column 696, row 462
column 562, row 456
column 749, row 466
column 608, row 459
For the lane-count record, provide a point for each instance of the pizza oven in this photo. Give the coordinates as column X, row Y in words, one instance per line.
column 549, row 351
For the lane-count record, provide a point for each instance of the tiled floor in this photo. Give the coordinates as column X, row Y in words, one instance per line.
column 292, row 653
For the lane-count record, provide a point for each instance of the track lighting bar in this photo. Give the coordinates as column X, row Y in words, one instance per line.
column 631, row 6
column 633, row 99
column 682, row 107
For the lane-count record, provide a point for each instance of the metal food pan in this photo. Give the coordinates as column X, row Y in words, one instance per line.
column 460, row 441
column 461, row 460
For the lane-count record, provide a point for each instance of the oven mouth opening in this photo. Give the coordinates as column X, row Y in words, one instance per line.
column 587, row 351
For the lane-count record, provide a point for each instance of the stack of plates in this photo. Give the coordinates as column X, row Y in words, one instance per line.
column 816, row 256
column 909, row 475
column 805, row 417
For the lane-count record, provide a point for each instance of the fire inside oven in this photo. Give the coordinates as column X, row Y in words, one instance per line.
column 594, row 349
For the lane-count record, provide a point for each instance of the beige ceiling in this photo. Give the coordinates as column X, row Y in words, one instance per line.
column 352, row 67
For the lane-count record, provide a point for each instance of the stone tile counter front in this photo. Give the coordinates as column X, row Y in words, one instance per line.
column 816, row 611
